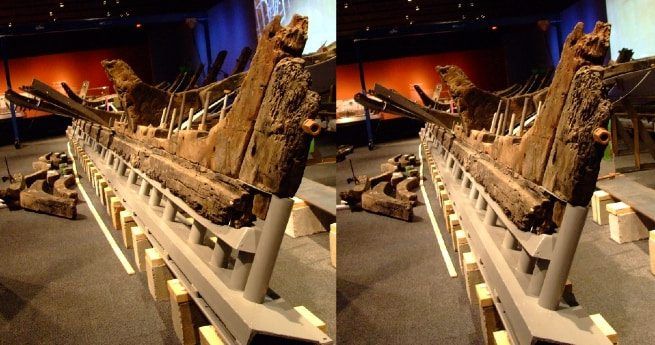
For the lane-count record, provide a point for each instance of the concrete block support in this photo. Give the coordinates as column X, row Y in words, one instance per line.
column 158, row 274
column 140, row 243
column 184, row 312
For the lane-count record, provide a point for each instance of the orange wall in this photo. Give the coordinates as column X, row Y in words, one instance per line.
column 486, row 68
column 73, row 68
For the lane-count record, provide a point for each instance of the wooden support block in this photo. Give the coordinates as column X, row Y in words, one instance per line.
column 447, row 207
column 158, row 274
column 184, row 312
column 454, row 225
column 443, row 196
column 605, row 328
column 96, row 178
column 599, row 202
column 302, row 221
column 501, row 338
column 625, row 225
column 209, row 336
column 472, row 275
column 333, row 244
column 100, row 190
column 116, row 208
column 140, row 243
column 651, row 250
column 462, row 247
column 127, row 222
column 109, row 193
column 309, row 316
column 489, row 318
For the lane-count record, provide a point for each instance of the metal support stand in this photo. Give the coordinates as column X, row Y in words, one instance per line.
column 538, row 275
column 197, row 233
column 131, row 178
column 220, row 254
column 169, row 211
column 490, row 217
column 565, row 246
column 144, row 190
column 481, row 203
column 242, row 268
column 268, row 249
column 122, row 167
column 367, row 114
column 473, row 193
column 155, row 197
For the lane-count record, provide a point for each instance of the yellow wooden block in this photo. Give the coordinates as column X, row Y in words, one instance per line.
column 177, row 291
column 116, row 208
column 501, row 338
column 100, row 190
column 140, row 243
column 619, row 208
column 154, row 257
column 127, row 222
column 484, row 297
column 209, row 336
column 158, row 274
column 470, row 261
column 309, row 316
column 109, row 193
column 443, row 196
column 605, row 328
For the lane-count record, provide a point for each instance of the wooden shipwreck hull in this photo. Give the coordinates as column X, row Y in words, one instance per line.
column 226, row 173
column 532, row 176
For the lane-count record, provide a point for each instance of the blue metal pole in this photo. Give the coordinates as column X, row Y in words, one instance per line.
column 367, row 115
column 12, row 108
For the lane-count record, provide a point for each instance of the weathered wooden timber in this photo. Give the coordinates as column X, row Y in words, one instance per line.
column 242, row 61
column 532, row 176
column 276, row 42
column 378, row 200
column 215, row 68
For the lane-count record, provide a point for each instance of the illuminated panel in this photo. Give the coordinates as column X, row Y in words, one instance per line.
column 322, row 18
column 633, row 26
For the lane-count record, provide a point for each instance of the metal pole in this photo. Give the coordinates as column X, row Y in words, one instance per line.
column 568, row 237
column 220, row 254
column 490, row 217
column 197, row 233
column 155, row 197
column 268, row 248
column 12, row 108
column 367, row 115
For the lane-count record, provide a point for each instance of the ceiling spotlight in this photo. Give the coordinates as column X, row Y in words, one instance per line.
column 61, row 4
column 417, row 8
column 471, row 4
column 411, row 22
column 368, row 28
column 118, row 2
column 459, row 5
column 494, row 28
column 54, row 20
column 50, row 13
column 10, row 24
column 482, row 16
column 108, row 13
column 345, row 5
column 409, row 0
column 127, row 14
column 104, row 2
column 138, row 25
column 406, row 16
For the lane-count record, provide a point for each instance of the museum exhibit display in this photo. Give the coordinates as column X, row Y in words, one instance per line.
column 202, row 174
column 527, row 183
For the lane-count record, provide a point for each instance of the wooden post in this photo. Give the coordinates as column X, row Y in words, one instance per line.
column 462, row 246
column 163, row 118
column 168, row 108
column 179, row 121
column 204, row 112
column 170, row 127
column 222, row 116
column 102, row 184
column 140, row 243
column 127, row 222
column 190, row 120
column 522, row 123
column 158, row 274
column 511, row 125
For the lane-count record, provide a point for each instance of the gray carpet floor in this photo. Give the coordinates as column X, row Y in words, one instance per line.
column 60, row 282
column 392, row 283
column 393, row 286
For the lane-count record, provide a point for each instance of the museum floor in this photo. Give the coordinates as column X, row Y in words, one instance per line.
column 393, row 280
column 60, row 282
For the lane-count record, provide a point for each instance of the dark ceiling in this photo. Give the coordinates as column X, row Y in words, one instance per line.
column 361, row 15
column 23, row 12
